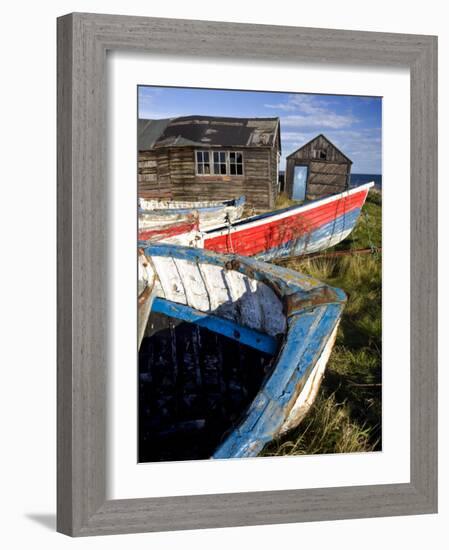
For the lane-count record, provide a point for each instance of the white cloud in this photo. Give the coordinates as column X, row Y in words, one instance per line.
column 307, row 104
column 154, row 115
column 319, row 120
column 362, row 146
column 310, row 111
column 301, row 137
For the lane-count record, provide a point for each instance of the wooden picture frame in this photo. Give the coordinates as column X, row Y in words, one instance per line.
column 83, row 40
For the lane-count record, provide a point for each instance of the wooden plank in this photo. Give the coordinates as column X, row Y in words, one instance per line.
column 329, row 167
column 326, row 179
column 249, row 337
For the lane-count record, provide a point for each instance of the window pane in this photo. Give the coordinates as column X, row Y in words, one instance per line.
column 216, row 168
column 222, row 156
column 206, row 156
column 200, row 168
column 207, row 168
column 222, row 168
column 236, row 163
column 199, row 156
column 216, row 156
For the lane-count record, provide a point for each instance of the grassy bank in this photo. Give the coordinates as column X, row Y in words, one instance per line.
column 346, row 416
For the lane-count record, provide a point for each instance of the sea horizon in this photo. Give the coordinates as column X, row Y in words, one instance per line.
column 360, row 179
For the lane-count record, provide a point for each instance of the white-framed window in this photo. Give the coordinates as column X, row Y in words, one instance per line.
column 219, row 163
column 236, row 163
column 203, row 162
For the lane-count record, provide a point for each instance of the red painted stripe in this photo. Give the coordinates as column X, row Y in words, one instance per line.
column 272, row 233
column 158, row 233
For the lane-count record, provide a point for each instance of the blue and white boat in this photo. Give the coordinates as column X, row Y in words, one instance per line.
column 232, row 351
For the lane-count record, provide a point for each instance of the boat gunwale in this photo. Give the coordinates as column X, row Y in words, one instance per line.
column 214, row 206
column 282, row 280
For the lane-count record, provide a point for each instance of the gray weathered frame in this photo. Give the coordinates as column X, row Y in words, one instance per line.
column 83, row 40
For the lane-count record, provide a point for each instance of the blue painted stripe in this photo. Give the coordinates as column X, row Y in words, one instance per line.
column 237, row 202
column 305, row 342
column 249, row 337
column 310, row 242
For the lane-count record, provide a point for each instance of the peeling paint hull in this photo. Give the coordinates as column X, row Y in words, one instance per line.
column 293, row 231
column 208, row 312
column 156, row 213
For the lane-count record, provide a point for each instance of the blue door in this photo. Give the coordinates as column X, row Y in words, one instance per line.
column 299, row 183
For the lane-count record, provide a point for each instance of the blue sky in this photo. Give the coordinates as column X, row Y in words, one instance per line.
column 353, row 123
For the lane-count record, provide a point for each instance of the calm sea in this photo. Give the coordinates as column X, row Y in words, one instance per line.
column 359, row 179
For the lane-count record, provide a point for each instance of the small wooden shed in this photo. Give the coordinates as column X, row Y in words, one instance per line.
column 317, row 169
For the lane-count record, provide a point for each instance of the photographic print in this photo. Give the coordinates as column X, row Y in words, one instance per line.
column 259, row 273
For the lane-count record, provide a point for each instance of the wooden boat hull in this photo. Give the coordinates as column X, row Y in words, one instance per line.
column 294, row 231
column 156, row 213
column 178, row 232
column 214, row 320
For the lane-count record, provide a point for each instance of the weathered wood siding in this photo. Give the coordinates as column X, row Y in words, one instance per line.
column 171, row 173
column 154, row 174
column 274, row 177
column 325, row 176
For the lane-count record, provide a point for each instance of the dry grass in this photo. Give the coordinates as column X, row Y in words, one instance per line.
column 346, row 416
column 282, row 201
column 327, row 426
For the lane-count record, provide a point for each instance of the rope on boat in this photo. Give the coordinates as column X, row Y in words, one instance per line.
column 229, row 239
column 373, row 247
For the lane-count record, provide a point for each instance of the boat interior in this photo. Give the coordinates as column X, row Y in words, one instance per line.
column 209, row 343
column 194, row 385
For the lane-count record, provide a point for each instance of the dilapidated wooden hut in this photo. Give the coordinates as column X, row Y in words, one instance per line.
column 317, row 169
column 210, row 158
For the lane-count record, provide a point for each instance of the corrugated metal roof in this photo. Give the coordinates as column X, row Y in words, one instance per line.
column 199, row 130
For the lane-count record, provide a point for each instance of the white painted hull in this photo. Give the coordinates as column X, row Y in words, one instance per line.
column 209, row 214
column 309, row 392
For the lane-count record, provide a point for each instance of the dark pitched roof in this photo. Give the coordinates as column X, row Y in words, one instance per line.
column 149, row 131
column 326, row 139
column 206, row 130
